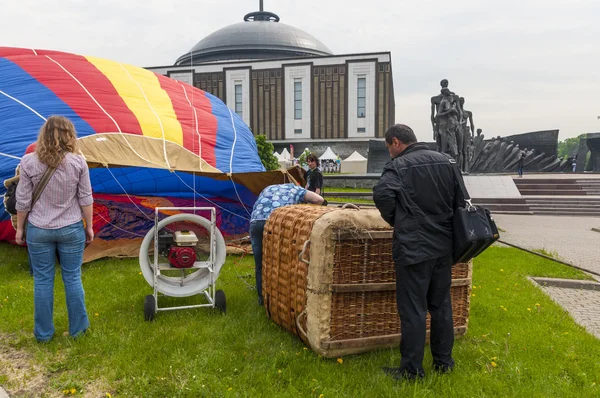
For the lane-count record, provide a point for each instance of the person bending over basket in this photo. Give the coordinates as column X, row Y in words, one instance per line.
column 417, row 195
column 271, row 198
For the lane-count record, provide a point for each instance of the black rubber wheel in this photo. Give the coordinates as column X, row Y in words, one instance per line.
column 220, row 301
column 149, row 308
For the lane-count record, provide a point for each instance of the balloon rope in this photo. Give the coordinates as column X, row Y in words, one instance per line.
column 153, row 111
column 108, row 222
column 234, row 140
column 197, row 133
column 102, row 109
column 238, row 195
column 129, row 197
column 22, row 103
column 10, row 156
column 208, row 200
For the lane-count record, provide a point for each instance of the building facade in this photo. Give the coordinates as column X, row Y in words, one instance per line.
column 287, row 85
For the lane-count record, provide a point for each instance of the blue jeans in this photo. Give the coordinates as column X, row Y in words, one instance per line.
column 42, row 244
column 256, row 235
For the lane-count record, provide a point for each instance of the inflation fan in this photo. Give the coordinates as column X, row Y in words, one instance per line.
column 175, row 264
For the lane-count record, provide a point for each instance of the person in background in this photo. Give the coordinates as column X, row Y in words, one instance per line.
column 271, row 198
column 417, row 195
column 520, row 164
column 54, row 223
column 574, row 164
column 314, row 177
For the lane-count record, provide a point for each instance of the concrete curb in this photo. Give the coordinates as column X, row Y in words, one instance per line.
column 567, row 283
column 3, row 394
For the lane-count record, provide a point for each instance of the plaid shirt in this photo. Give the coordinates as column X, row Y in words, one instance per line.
column 67, row 191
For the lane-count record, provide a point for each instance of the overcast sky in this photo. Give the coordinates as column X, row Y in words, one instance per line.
column 522, row 65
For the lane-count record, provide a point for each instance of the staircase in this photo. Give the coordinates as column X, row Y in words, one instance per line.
column 558, row 186
column 568, row 206
column 559, row 196
column 505, row 205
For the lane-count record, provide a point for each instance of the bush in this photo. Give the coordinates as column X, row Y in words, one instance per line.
column 302, row 158
column 265, row 152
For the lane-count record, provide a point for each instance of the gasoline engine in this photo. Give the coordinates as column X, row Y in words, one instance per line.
column 179, row 247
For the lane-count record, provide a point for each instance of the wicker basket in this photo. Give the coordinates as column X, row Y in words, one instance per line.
column 328, row 277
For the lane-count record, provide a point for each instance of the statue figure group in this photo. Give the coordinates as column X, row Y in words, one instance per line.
column 453, row 128
column 453, row 132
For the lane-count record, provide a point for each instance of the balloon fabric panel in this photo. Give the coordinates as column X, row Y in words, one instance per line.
column 85, row 89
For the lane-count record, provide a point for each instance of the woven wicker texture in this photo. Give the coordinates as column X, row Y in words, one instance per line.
column 357, row 292
column 284, row 275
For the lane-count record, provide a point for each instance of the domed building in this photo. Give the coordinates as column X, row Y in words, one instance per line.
column 288, row 85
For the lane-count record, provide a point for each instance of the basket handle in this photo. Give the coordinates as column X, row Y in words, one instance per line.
column 301, row 255
column 351, row 206
column 304, row 336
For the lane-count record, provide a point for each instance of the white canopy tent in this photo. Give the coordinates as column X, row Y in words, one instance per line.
column 284, row 159
column 328, row 155
column 355, row 163
column 285, row 155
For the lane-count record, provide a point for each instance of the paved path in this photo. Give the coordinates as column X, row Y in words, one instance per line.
column 583, row 305
column 570, row 239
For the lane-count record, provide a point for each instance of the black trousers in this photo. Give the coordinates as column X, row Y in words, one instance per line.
column 420, row 288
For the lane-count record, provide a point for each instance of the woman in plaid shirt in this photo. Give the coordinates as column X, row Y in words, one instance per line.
column 54, row 222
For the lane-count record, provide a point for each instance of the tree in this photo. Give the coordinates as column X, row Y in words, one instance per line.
column 302, row 158
column 265, row 152
column 569, row 146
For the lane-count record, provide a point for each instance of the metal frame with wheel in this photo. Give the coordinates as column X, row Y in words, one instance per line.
column 201, row 281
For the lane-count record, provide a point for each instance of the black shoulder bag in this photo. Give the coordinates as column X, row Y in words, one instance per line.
column 473, row 228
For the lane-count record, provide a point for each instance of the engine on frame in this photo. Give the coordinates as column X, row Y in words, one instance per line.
column 179, row 247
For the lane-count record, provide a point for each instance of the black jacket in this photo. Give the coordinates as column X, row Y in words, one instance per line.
column 417, row 194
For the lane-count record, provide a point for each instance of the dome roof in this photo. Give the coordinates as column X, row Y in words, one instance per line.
column 260, row 36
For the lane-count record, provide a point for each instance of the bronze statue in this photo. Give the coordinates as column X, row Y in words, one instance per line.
column 435, row 105
column 447, row 122
column 464, row 136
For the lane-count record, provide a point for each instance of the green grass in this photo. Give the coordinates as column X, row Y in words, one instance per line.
column 552, row 254
column 519, row 342
column 349, row 200
column 332, row 189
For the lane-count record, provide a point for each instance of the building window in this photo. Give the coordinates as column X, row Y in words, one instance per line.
column 361, row 130
column 297, row 99
column 238, row 100
column 297, row 131
column 361, row 95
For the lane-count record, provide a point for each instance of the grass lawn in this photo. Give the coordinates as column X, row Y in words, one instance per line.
column 339, row 199
column 332, row 189
column 519, row 342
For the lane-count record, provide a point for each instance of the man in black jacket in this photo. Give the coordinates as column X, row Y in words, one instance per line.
column 417, row 194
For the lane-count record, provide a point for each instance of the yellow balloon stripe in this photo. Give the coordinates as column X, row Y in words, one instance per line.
column 143, row 95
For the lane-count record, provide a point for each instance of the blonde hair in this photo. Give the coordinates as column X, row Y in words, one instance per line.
column 56, row 137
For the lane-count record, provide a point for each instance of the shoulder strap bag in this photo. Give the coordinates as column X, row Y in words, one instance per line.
column 473, row 228
column 38, row 192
